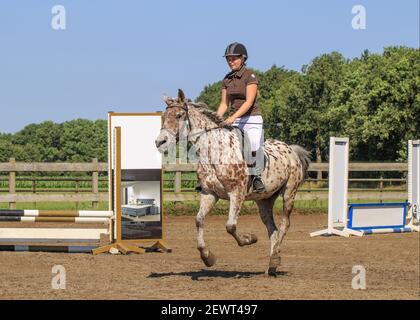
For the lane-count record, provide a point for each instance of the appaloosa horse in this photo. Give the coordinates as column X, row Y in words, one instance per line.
column 227, row 176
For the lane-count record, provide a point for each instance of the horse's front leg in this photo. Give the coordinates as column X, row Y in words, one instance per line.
column 207, row 201
column 236, row 201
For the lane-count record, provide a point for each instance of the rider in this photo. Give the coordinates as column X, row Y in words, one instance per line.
column 239, row 91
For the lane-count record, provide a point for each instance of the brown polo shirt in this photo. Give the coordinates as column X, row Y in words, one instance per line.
column 235, row 84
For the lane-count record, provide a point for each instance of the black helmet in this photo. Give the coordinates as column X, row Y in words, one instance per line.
column 236, row 49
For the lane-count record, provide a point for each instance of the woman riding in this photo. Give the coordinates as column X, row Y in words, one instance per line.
column 239, row 92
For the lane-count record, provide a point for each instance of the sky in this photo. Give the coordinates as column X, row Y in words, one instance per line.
column 123, row 56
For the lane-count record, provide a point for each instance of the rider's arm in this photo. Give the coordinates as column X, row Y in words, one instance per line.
column 223, row 104
column 251, row 94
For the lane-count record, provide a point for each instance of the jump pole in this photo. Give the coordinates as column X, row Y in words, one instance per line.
column 55, row 216
column 53, row 213
column 54, row 219
column 337, row 190
column 48, row 248
column 50, row 235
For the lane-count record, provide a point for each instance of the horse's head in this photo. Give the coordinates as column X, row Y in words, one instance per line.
column 174, row 121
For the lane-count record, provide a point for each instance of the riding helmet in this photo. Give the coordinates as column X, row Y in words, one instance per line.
column 236, row 49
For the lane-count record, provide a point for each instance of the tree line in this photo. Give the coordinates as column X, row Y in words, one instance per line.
column 78, row 140
column 373, row 99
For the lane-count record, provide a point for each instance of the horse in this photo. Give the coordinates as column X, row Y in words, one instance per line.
column 228, row 178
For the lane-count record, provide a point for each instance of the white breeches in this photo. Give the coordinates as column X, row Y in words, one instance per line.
column 253, row 127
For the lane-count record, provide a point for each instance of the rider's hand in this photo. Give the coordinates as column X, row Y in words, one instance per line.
column 228, row 121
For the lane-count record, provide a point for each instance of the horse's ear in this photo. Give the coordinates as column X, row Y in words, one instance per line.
column 181, row 95
column 166, row 99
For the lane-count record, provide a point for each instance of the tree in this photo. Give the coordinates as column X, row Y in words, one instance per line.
column 310, row 122
column 379, row 103
column 83, row 140
column 210, row 95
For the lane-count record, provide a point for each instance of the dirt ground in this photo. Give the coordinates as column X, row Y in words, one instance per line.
column 312, row 268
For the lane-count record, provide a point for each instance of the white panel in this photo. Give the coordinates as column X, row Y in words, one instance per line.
column 414, row 177
column 138, row 135
column 338, row 181
column 416, row 174
column 377, row 216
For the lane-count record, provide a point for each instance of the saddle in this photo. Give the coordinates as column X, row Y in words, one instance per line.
column 245, row 147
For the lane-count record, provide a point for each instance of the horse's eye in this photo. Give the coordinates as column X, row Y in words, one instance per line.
column 178, row 116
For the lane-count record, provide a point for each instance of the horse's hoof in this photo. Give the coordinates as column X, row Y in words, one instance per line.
column 253, row 239
column 271, row 272
column 249, row 239
column 210, row 260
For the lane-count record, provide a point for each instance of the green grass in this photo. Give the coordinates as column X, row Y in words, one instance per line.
column 187, row 208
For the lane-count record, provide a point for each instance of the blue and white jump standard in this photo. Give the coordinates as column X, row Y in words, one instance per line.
column 368, row 218
column 337, row 190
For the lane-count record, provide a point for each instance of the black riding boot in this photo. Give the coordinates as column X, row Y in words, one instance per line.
column 198, row 188
column 257, row 183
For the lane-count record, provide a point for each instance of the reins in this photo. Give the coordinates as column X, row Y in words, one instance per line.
column 190, row 135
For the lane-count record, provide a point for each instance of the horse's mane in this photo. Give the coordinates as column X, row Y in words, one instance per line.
column 211, row 115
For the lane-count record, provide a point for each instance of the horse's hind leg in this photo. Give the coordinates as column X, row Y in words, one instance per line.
column 236, row 201
column 207, row 201
column 266, row 213
column 288, row 200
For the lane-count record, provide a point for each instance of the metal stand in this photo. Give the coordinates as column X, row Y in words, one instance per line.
column 336, row 232
column 120, row 246
column 161, row 245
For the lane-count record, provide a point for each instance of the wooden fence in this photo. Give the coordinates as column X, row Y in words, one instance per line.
column 311, row 190
column 13, row 196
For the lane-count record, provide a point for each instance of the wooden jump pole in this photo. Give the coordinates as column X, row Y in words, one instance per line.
column 52, row 213
column 55, row 219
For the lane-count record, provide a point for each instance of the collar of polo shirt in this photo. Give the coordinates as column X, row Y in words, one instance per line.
column 237, row 73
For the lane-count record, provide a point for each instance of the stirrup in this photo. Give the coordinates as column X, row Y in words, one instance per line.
column 261, row 187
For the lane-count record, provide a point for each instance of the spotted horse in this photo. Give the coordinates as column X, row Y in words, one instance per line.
column 223, row 173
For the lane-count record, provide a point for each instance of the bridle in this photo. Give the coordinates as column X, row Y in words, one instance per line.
column 187, row 118
column 185, row 108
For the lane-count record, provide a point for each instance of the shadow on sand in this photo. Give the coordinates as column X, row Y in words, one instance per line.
column 196, row 275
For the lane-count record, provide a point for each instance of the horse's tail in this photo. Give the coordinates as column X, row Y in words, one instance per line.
column 304, row 157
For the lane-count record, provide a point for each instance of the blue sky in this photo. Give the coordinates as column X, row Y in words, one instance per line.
column 123, row 55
